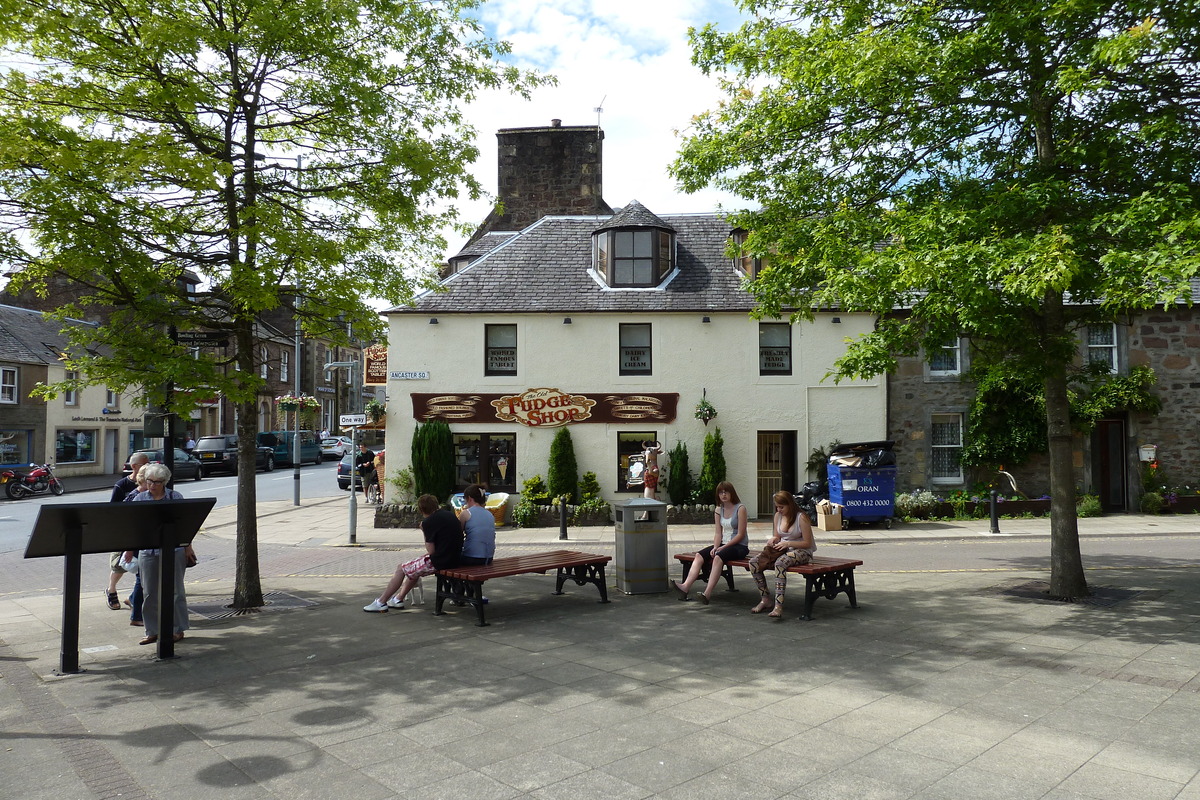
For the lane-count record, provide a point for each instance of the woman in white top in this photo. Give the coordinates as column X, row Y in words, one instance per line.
column 792, row 544
column 730, row 542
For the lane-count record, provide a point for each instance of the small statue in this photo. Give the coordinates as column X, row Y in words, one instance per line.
column 650, row 451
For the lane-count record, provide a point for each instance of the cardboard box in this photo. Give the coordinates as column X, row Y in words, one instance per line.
column 830, row 522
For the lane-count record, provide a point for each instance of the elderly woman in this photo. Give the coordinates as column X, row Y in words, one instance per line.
column 157, row 476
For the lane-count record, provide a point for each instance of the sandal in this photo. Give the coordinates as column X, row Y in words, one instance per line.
column 151, row 639
column 703, row 598
column 683, row 595
column 762, row 606
column 114, row 602
column 776, row 613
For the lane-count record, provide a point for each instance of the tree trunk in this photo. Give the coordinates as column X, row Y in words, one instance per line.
column 247, row 590
column 1067, row 579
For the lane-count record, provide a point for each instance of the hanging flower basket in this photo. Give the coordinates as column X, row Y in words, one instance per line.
column 705, row 411
column 289, row 402
column 376, row 411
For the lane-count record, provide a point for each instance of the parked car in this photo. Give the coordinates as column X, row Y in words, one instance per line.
column 310, row 447
column 336, row 447
column 186, row 466
column 220, row 453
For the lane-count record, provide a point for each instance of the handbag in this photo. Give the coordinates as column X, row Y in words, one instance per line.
column 766, row 559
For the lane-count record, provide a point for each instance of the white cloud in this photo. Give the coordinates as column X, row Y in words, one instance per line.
column 634, row 56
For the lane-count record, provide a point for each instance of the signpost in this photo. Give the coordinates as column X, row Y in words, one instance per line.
column 353, row 421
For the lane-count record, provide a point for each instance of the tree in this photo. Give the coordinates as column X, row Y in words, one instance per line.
column 562, row 476
column 679, row 475
column 1009, row 171
column 269, row 153
column 433, row 459
column 712, row 467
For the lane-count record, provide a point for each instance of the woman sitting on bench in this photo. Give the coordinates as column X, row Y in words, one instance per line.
column 730, row 542
column 792, row 544
column 479, row 528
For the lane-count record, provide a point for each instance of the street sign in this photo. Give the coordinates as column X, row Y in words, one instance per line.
column 202, row 339
column 352, row 420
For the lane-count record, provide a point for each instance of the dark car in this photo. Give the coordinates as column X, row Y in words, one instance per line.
column 187, row 467
column 345, row 467
column 220, row 453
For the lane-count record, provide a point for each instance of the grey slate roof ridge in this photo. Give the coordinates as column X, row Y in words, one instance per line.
column 634, row 215
column 30, row 337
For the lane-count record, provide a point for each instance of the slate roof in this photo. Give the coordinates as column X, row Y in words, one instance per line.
column 29, row 337
column 547, row 268
column 634, row 215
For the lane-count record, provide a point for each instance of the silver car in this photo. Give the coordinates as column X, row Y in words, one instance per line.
column 336, row 447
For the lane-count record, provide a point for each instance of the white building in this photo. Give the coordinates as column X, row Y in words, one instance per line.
column 618, row 325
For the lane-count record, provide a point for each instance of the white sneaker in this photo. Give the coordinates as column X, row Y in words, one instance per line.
column 395, row 603
column 376, row 606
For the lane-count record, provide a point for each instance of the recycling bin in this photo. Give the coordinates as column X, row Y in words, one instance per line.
column 867, row 494
column 641, row 561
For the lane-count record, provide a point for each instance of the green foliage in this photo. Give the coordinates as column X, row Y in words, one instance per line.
column 1007, row 423
column 818, row 461
column 1152, row 503
column 679, row 474
column 563, row 473
column 712, row 468
column 915, row 505
column 591, row 504
column 433, row 459
column 1030, row 167
column 589, row 487
column 1106, row 393
column 1088, row 505
column 534, row 495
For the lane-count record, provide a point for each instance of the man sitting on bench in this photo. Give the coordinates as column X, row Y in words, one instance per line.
column 443, row 548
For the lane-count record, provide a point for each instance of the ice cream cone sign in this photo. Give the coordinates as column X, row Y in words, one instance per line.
column 502, row 466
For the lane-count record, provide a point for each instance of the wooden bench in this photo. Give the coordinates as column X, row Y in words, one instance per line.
column 824, row 577
column 463, row 585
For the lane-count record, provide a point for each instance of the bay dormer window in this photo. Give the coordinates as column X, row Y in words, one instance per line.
column 634, row 249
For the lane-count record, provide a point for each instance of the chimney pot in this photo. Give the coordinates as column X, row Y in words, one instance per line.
column 556, row 123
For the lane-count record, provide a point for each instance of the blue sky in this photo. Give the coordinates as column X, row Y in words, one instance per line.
column 631, row 54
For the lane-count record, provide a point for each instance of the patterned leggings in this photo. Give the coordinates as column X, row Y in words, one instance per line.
column 788, row 559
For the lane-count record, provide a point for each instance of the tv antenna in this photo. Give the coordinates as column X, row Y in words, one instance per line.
column 600, row 110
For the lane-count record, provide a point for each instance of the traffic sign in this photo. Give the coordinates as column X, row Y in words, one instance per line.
column 202, row 338
column 352, row 420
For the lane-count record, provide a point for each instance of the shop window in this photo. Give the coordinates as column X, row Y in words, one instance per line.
column 489, row 459
column 500, row 345
column 774, row 348
column 635, row 349
column 1102, row 345
column 946, row 437
column 947, row 359
column 629, row 450
column 15, row 447
column 75, row 446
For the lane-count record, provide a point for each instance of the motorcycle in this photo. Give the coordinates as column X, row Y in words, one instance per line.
column 37, row 480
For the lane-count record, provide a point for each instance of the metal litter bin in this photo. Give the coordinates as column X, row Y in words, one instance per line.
column 867, row 494
column 641, row 526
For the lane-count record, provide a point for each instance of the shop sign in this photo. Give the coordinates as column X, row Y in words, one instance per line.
column 375, row 371
column 543, row 408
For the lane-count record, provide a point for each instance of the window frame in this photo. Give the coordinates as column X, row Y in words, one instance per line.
column 747, row 265
column 661, row 255
column 763, row 327
column 284, row 361
column 622, row 347
column 624, row 449
column 491, row 350
column 71, row 396
column 485, row 460
column 934, row 419
column 263, row 356
column 89, row 447
column 112, row 398
column 10, row 383
column 1114, row 362
column 954, row 347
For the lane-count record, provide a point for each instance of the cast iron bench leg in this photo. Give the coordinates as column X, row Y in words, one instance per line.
column 586, row 573
column 444, row 589
column 473, row 594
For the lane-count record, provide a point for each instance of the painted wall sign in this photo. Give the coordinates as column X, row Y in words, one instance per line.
column 375, row 371
column 545, row 407
column 408, row 375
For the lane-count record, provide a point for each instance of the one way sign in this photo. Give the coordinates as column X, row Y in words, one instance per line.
column 352, row 420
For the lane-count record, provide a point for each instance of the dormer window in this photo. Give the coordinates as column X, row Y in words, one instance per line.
column 743, row 262
column 634, row 249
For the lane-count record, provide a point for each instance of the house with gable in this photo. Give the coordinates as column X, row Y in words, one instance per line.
column 561, row 310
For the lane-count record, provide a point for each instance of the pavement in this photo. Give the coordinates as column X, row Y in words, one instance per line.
column 941, row 684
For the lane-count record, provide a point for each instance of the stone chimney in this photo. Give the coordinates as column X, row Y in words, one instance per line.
column 545, row 171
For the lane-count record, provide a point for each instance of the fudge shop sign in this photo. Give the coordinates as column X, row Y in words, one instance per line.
column 545, row 407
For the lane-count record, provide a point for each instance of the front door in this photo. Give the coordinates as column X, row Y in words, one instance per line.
column 1108, row 463
column 776, row 467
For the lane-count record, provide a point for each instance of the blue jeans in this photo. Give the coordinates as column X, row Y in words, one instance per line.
column 135, row 599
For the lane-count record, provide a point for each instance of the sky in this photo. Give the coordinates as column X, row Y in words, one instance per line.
column 630, row 57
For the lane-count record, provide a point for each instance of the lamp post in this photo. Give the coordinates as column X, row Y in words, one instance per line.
column 296, row 314
column 350, row 365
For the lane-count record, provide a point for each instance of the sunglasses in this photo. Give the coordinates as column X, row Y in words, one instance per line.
column 156, row 482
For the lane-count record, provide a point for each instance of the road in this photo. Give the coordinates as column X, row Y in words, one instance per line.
column 17, row 517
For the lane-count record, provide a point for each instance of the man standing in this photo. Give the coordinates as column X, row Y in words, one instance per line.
column 121, row 490
column 190, row 444
column 443, row 545
column 364, row 464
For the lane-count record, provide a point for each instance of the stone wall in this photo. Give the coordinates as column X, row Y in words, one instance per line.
column 1169, row 343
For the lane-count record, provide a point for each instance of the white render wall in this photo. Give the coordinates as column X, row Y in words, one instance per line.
column 689, row 356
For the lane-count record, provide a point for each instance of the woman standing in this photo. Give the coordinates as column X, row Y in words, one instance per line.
column 479, row 528
column 792, row 544
column 730, row 542
column 157, row 476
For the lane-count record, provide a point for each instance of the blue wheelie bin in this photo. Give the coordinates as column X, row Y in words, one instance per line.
column 866, row 493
